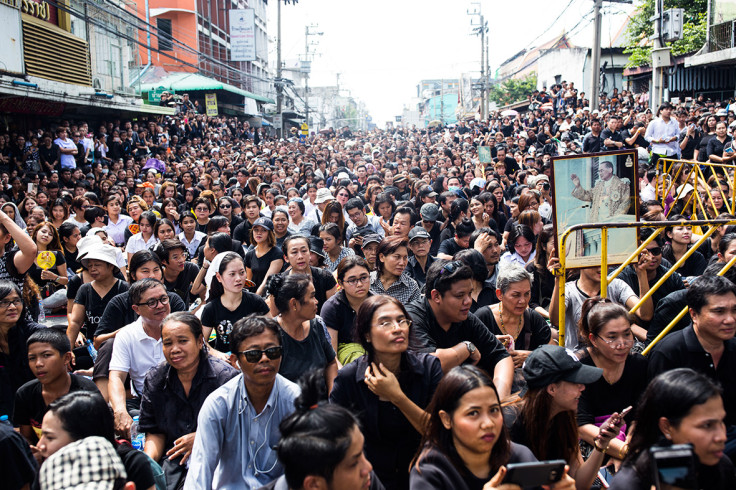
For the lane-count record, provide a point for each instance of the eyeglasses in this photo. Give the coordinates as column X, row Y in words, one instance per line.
column 403, row 323
column 655, row 250
column 255, row 355
column 152, row 303
column 623, row 341
column 354, row 281
column 7, row 303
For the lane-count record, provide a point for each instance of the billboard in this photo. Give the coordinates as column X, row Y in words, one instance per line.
column 242, row 35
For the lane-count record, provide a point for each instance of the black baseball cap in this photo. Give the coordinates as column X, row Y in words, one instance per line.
column 552, row 363
column 419, row 232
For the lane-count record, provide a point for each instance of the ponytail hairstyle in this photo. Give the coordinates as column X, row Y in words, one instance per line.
column 596, row 313
column 216, row 288
column 316, row 437
column 458, row 207
column 285, row 288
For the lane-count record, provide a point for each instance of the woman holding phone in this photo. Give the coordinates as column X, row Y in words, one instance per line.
column 546, row 422
column 466, row 445
column 679, row 407
column 606, row 328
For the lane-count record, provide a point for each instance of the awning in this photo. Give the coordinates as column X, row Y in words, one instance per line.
column 183, row 82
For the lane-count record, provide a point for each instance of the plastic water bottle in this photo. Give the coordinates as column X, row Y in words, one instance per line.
column 5, row 421
column 91, row 349
column 137, row 439
column 41, row 312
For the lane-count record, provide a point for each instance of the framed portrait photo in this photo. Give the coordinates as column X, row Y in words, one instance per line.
column 595, row 188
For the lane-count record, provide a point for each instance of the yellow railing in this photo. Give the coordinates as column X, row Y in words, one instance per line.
column 695, row 176
column 606, row 278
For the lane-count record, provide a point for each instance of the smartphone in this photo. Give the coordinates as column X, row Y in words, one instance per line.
column 535, row 474
column 625, row 412
column 674, row 466
column 32, row 188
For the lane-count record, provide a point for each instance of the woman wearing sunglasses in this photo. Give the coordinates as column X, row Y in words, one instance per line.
column 389, row 388
column 303, row 334
column 175, row 391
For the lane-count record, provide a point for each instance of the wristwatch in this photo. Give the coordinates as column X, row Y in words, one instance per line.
column 471, row 347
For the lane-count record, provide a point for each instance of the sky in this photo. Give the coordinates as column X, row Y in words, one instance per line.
column 382, row 48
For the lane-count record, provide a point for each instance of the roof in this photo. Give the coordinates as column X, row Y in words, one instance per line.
column 182, row 82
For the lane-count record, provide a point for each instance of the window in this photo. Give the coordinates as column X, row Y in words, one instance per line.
column 164, row 34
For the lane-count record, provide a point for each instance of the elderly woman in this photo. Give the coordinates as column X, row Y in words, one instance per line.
column 519, row 327
column 389, row 387
column 299, row 224
column 175, row 392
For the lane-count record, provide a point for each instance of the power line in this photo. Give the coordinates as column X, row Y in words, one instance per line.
column 551, row 25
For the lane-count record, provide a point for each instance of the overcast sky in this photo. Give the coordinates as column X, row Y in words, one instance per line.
column 382, row 48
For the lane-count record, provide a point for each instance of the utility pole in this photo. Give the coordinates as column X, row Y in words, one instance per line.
column 661, row 58
column 279, row 83
column 595, row 66
column 481, row 30
column 306, row 66
column 442, row 102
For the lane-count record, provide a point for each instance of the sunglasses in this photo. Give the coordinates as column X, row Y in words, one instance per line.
column 255, row 355
column 225, row 206
column 655, row 250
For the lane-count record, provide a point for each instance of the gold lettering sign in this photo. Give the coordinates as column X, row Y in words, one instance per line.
column 36, row 9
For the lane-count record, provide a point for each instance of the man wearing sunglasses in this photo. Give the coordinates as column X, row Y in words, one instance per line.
column 238, row 425
column 137, row 349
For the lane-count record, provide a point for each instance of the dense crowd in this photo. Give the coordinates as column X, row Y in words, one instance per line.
column 358, row 310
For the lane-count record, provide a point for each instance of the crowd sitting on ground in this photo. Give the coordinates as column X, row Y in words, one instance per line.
column 358, row 310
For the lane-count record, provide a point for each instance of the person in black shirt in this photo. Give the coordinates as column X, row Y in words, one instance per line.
column 708, row 346
column 49, row 353
column 228, row 302
column 679, row 407
column 265, row 258
column 389, row 388
column 420, row 244
column 179, row 273
column 17, row 464
column 303, row 335
column 63, row 425
column 174, row 392
column 465, row 428
column 297, row 255
column 461, row 240
column 593, row 143
column 611, row 136
column 605, row 327
column 444, row 325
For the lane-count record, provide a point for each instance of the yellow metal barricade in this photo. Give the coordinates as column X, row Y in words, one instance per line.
column 606, row 278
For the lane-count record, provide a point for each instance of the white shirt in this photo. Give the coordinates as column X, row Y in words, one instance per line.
column 135, row 353
column 647, row 193
column 116, row 231
column 194, row 244
column 659, row 130
column 66, row 160
column 137, row 243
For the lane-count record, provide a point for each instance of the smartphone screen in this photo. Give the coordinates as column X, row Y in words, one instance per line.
column 674, row 466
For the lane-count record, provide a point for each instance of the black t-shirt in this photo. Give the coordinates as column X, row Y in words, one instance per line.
column 94, row 306
column 323, row 281
column 703, row 147
column 137, row 466
column 216, row 316
column 72, row 287
column 30, row 406
column 17, row 465
column 449, row 247
column 35, row 270
column 602, row 399
column 259, row 265
column 183, row 284
column 612, row 135
column 301, row 356
column 71, row 260
column 533, row 333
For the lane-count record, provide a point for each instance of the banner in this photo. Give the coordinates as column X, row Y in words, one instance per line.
column 242, row 35
column 210, row 103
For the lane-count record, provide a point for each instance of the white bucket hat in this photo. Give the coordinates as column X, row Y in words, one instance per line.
column 104, row 253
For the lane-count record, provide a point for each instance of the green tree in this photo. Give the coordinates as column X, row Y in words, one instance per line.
column 640, row 29
column 513, row 90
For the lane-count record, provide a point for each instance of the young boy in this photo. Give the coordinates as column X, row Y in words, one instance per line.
column 49, row 353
